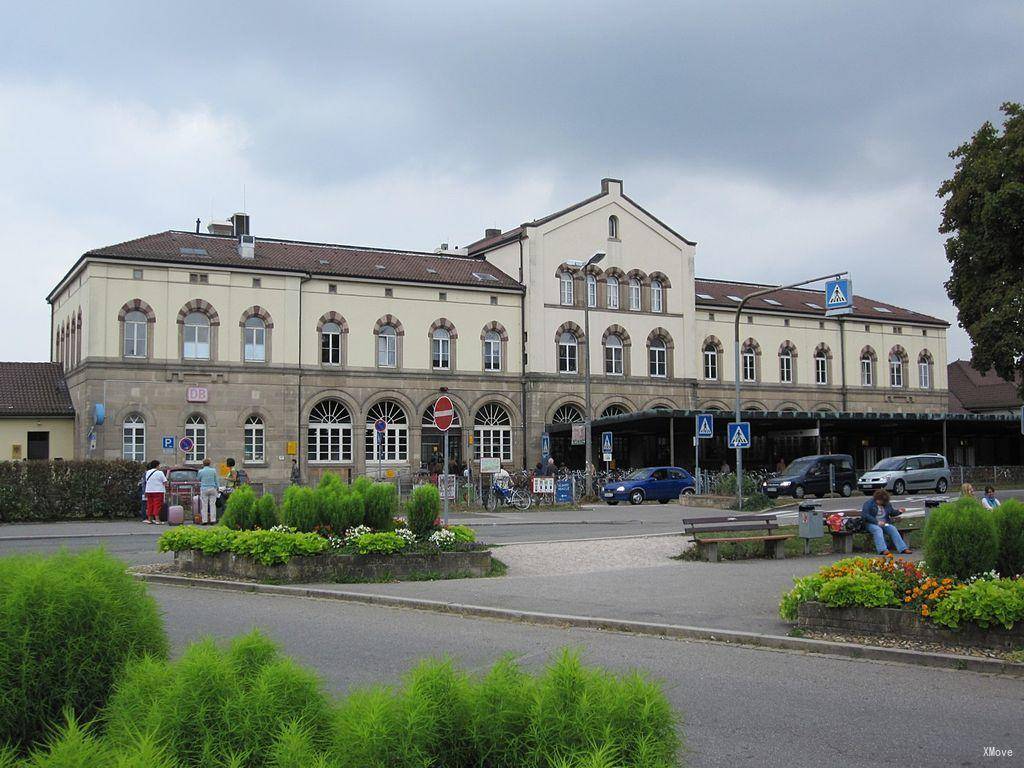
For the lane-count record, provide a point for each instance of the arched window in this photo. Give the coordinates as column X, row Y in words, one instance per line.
column 895, row 370
column 613, row 355
column 820, row 368
column 612, row 292
column 387, row 347
column 441, row 349
column 657, row 301
column 197, row 337
column 329, row 436
column 133, row 433
column 330, row 344
column 255, row 340
column 748, row 362
column 568, row 414
column 492, row 433
column 613, row 227
column 615, row 409
column 393, row 443
column 634, row 294
column 253, row 440
column 658, row 358
column 492, row 351
column 568, row 353
column 710, row 362
column 924, row 370
column 565, row 289
column 867, row 367
column 195, row 430
column 136, row 331
column 786, row 365
column 591, row 291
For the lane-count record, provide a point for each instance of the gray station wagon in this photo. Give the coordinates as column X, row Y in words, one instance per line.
column 907, row 474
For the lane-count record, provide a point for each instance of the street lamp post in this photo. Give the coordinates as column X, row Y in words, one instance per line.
column 738, row 371
column 586, row 374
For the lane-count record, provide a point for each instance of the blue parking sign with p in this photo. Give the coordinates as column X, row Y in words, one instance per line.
column 739, row 434
column 167, row 442
column 705, row 425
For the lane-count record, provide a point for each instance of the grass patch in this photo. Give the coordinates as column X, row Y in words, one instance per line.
column 794, row 547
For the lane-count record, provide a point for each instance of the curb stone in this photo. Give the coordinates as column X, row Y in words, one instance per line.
column 676, row 631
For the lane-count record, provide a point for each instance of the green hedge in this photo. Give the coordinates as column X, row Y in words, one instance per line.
column 1009, row 517
column 68, row 624
column 961, row 540
column 333, row 507
column 69, row 490
column 266, row 547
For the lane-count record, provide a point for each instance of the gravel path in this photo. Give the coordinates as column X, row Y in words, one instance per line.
column 552, row 559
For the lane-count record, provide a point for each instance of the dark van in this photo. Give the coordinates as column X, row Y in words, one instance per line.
column 809, row 476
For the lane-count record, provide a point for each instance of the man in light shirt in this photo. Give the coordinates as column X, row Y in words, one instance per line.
column 208, row 482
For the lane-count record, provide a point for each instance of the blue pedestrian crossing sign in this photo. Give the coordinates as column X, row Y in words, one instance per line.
column 838, row 296
column 545, row 446
column 739, row 434
column 705, row 425
column 606, row 442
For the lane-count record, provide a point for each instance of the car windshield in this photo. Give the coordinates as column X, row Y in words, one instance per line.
column 637, row 474
column 182, row 475
column 888, row 464
column 799, row 466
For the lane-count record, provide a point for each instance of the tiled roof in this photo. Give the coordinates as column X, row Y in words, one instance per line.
column 976, row 391
column 322, row 259
column 800, row 301
column 34, row 389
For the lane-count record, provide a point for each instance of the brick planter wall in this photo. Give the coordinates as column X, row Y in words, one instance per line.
column 335, row 568
column 898, row 623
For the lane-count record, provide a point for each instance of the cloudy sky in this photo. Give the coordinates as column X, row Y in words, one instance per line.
column 787, row 138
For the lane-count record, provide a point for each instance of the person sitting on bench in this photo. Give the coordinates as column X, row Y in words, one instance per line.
column 877, row 514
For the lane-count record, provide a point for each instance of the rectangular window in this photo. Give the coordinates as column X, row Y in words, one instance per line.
column 867, row 377
column 329, row 444
column 924, row 371
column 492, row 354
column 565, row 290
column 197, row 434
column 198, row 277
column 493, row 443
column 749, row 366
column 613, row 361
column 330, row 348
column 134, row 441
column 389, row 292
column 658, row 362
column 613, row 293
column 896, row 373
column 332, row 288
column 442, row 296
column 257, row 282
column 821, row 370
column 393, row 444
column 634, row 295
column 136, row 274
column 494, row 301
column 255, row 345
column 786, row 369
column 441, row 353
column 135, row 338
column 591, row 292
column 567, row 358
column 197, row 342
column 254, row 452
column 387, row 353
column 710, row 364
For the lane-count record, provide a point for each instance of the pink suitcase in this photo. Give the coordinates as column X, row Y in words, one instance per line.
column 175, row 514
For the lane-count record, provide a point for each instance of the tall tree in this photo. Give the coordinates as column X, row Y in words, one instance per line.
column 984, row 214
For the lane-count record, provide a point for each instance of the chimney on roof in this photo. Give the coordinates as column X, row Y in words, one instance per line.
column 488, row 233
column 611, row 186
column 240, row 224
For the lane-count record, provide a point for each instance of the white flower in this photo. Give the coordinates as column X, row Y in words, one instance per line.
column 443, row 539
column 405, row 533
column 284, row 529
column 354, row 533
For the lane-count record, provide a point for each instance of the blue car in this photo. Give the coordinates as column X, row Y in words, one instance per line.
column 661, row 484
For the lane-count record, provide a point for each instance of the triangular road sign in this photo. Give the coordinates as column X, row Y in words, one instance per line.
column 705, row 428
column 837, row 297
column 739, row 440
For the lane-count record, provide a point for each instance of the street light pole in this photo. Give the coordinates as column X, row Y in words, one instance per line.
column 586, row 375
column 738, row 372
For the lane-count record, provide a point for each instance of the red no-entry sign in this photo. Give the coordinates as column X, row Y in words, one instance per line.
column 444, row 413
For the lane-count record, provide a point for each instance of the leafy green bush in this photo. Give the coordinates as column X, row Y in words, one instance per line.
column 210, row 541
column 381, row 505
column 68, row 624
column 805, row 590
column 423, row 509
column 986, row 603
column 352, row 511
column 867, row 589
column 69, row 490
column 266, row 512
column 381, row 543
column 961, row 540
column 725, row 485
column 1009, row 519
column 463, row 533
column 266, row 547
column 361, row 485
column 240, row 511
column 216, row 707
column 299, row 509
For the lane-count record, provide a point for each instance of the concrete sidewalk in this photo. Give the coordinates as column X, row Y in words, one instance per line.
column 70, row 529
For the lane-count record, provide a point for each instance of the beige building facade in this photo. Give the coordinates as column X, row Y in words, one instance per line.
column 271, row 350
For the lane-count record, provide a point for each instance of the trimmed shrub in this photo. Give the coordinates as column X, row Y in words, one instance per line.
column 215, row 707
column 961, row 540
column 266, row 547
column 68, row 624
column 422, row 510
column 1009, row 518
column 867, row 589
column 299, row 509
column 240, row 511
column 352, row 511
column 69, row 490
column 380, row 506
column 266, row 512
column 362, row 484
column 381, row 543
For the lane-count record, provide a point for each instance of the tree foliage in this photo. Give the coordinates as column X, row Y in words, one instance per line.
column 984, row 214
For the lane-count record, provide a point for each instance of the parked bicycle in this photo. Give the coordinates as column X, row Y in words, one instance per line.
column 513, row 496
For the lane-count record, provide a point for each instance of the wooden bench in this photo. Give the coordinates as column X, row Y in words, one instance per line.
column 774, row 543
column 842, row 541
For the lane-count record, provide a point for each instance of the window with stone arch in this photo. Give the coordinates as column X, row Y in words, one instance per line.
column 711, row 351
column 254, row 440
column 388, row 332
column 897, row 368
column 566, row 292
column 924, row 370
column 391, row 445
column 135, row 317
column 750, row 354
column 195, row 430
column 658, row 358
column 868, row 361
column 612, row 292
column 635, row 294
column 657, row 296
column 822, row 364
column 493, row 340
column 255, row 340
column 333, row 332
column 787, row 359
column 133, row 438
column 613, row 227
column 591, row 290
column 329, row 434
column 568, row 414
column 568, row 351
column 615, row 409
column 442, row 345
column 492, row 432
column 197, row 323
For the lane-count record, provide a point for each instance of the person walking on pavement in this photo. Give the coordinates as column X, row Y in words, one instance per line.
column 208, row 482
column 296, row 476
column 156, row 487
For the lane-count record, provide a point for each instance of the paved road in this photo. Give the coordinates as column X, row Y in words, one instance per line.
column 741, row 707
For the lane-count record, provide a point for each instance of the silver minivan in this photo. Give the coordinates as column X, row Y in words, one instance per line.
column 907, row 474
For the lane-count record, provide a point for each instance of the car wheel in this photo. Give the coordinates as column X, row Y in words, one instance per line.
column 636, row 497
column 941, row 486
column 798, row 492
column 899, row 488
column 612, row 503
column 689, row 491
column 846, row 490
